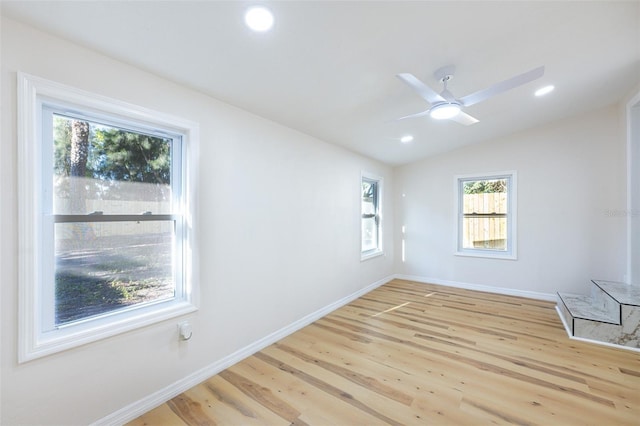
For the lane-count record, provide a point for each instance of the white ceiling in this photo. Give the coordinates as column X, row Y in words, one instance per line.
column 328, row 68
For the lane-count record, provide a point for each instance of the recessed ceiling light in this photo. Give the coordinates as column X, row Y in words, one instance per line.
column 259, row 18
column 544, row 90
column 406, row 139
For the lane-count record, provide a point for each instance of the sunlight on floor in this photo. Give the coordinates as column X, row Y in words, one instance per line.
column 391, row 309
column 399, row 306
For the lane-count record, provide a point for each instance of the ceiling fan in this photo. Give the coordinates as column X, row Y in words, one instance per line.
column 445, row 106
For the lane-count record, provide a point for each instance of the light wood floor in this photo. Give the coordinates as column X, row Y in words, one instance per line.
column 411, row 353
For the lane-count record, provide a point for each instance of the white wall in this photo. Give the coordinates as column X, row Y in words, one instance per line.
column 571, row 200
column 279, row 238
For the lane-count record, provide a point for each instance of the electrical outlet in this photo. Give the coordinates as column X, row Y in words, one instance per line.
column 185, row 331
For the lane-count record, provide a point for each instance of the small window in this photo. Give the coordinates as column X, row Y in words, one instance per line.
column 486, row 215
column 106, row 200
column 371, row 216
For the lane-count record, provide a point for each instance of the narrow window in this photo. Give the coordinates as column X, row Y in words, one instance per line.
column 486, row 215
column 371, row 244
column 105, row 203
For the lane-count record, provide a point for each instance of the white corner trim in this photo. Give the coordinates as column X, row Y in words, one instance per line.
column 550, row 297
column 140, row 407
column 633, row 173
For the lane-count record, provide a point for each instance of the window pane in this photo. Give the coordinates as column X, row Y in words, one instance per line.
column 369, row 234
column 484, row 224
column 105, row 266
column 369, row 211
column 485, row 233
column 110, row 170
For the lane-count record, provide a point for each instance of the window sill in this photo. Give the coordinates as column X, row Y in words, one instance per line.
column 371, row 254
column 36, row 345
column 487, row 254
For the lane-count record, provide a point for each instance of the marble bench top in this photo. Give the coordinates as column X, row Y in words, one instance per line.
column 623, row 293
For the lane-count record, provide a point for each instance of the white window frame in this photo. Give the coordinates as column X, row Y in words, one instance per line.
column 512, row 203
column 378, row 251
column 35, row 338
column 633, row 189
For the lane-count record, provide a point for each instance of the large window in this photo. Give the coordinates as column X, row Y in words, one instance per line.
column 486, row 215
column 371, row 190
column 105, row 221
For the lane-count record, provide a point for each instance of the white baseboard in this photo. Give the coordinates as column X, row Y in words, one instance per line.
column 551, row 297
column 564, row 322
column 138, row 408
column 610, row 345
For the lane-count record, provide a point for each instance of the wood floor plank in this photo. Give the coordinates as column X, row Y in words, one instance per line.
column 309, row 395
column 369, row 382
column 413, row 374
column 225, row 404
column 361, row 394
column 433, row 393
column 327, row 387
column 189, row 410
column 262, row 395
column 158, row 416
column 229, row 405
column 414, row 353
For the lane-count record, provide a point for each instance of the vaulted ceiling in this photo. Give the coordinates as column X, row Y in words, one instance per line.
column 327, row 68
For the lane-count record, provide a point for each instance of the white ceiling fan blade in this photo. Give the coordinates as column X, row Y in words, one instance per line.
column 464, row 119
column 503, row 86
column 418, row 114
column 423, row 90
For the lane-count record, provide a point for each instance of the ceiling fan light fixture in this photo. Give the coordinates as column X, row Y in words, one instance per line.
column 445, row 110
